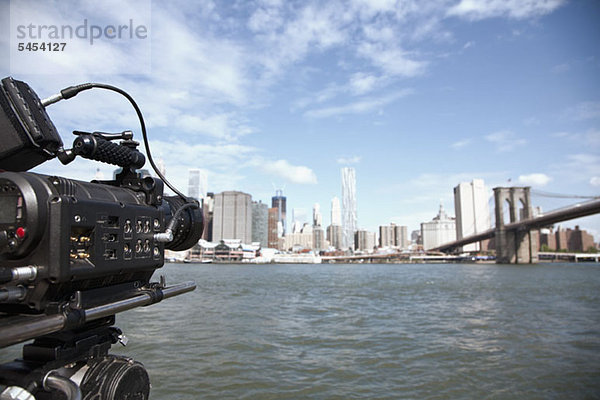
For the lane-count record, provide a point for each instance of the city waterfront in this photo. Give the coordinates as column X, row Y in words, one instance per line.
column 372, row 331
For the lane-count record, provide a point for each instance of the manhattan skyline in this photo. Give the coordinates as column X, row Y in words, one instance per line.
column 416, row 97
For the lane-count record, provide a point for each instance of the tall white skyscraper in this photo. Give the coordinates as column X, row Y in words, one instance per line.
column 349, row 220
column 197, row 183
column 194, row 183
column 336, row 212
column 472, row 211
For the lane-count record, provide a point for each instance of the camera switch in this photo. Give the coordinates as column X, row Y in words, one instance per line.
column 20, row 232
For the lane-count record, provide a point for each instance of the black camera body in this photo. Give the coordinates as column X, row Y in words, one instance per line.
column 73, row 253
column 81, row 235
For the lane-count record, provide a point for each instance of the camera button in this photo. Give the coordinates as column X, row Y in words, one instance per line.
column 20, row 232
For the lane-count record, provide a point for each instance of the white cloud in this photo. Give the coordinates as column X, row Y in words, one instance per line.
column 461, row 143
column 362, row 83
column 293, row 173
column 265, row 20
column 505, row 140
column 517, row 9
column 358, row 107
column 595, row 181
column 536, row 179
column 468, row 44
column 392, row 60
column 349, row 160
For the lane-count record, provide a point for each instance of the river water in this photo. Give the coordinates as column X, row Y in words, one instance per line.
column 372, row 331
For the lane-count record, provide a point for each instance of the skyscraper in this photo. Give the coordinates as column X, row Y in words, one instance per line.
column 472, row 211
column 278, row 201
column 208, row 208
column 336, row 212
column 273, row 237
column 260, row 220
column 349, row 220
column 334, row 230
column 197, row 184
column 194, row 183
column 317, row 217
column 393, row 236
column 365, row 240
column 232, row 216
column 334, row 236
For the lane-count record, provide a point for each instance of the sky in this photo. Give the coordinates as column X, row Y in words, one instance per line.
column 417, row 96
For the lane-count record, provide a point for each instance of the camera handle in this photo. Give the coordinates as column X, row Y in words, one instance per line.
column 98, row 146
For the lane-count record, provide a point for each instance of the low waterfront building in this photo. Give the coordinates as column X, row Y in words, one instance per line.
column 304, row 239
column 574, row 240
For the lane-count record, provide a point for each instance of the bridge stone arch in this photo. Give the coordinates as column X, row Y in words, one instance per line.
column 514, row 246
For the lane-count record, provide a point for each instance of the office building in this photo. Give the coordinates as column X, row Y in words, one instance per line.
column 318, row 238
column 208, row 208
column 232, row 217
column 365, row 240
column 272, row 236
column 440, row 230
column 393, row 236
column 260, row 223
column 197, row 183
column 472, row 211
column 279, row 202
column 317, row 217
column 301, row 239
column 349, row 219
column 415, row 237
column 336, row 212
column 334, row 236
column 573, row 240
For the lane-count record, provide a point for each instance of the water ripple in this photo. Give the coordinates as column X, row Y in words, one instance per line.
column 372, row 332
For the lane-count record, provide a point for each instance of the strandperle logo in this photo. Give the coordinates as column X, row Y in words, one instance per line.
column 86, row 31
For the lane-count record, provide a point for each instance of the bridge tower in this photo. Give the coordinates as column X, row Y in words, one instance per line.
column 514, row 246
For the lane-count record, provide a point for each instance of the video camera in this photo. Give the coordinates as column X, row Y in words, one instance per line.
column 73, row 254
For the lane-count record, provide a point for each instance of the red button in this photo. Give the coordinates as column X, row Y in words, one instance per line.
column 20, row 232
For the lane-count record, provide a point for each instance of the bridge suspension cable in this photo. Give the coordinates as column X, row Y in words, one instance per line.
column 541, row 193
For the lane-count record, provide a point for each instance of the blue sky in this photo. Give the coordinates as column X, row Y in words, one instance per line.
column 416, row 96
